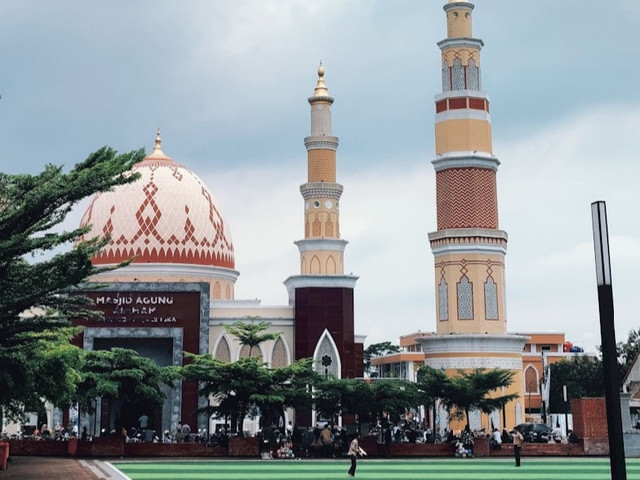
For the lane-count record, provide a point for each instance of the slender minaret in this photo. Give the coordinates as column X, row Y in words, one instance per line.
column 468, row 247
column 321, row 251
column 322, row 294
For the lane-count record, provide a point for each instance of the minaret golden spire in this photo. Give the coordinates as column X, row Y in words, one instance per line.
column 321, row 89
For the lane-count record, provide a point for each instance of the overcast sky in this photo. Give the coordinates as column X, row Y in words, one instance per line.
column 228, row 82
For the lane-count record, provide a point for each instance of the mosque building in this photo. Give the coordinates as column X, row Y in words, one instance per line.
column 177, row 295
column 178, row 292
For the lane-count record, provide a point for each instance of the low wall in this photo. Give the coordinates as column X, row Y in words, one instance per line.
column 249, row 447
column 38, row 448
column 172, row 450
column 541, row 450
column 111, row 447
column 244, row 447
column 375, row 449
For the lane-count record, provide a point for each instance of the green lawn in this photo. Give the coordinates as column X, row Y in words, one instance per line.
column 422, row 469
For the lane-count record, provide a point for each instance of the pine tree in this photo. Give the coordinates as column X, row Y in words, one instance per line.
column 40, row 272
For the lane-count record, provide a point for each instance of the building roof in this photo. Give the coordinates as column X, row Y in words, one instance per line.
column 168, row 215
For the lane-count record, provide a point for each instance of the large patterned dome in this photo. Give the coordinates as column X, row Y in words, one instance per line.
column 167, row 216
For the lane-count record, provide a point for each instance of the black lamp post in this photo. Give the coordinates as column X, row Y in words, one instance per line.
column 608, row 334
column 566, row 410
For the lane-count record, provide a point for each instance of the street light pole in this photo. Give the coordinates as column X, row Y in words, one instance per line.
column 566, row 410
column 607, row 332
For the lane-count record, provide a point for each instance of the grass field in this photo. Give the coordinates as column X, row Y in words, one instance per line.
column 423, row 469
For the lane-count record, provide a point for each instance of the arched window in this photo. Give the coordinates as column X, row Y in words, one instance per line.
column 279, row 355
column 223, row 352
column 443, row 300
column 446, row 77
column 332, row 269
column 473, row 75
column 457, row 75
column 315, row 266
column 531, row 380
column 465, row 299
column 326, row 356
column 490, row 299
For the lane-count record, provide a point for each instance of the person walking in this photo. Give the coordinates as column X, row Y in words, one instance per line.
column 354, row 451
column 517, row 445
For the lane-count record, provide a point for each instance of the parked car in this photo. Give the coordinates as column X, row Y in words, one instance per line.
column 535, row 432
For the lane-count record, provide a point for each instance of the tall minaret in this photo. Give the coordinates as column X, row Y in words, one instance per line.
column 468, row 247
column 321, row 251
column 322, row 295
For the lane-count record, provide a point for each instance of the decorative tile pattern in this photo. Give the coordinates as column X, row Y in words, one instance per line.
column 473, row 76
column 443, row 300
column 446, row 77
column 490, row 299
column 167, row 216
column 465, row 299
column 466, row 198
column 457, row 75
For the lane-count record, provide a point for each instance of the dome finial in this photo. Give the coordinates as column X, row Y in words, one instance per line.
column 157, row 153
column 158, row 147
column 321, row 89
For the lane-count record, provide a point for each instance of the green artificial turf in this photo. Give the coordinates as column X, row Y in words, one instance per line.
column 422, row 469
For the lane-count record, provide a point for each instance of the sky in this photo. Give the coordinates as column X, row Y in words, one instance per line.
column 228, row 81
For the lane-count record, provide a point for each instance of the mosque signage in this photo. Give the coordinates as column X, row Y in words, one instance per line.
column 149, row 309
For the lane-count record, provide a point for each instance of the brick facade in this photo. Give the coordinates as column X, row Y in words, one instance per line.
column 589, row 418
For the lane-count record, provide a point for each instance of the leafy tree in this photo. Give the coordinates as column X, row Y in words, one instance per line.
column 469, row 390
column 37, row 295
column 238, row 387
column 431, row 384
column 251, row 334
column 45, row 368
column 377, row 350
column 334, row 397
column 121, row 374
column 583, row 377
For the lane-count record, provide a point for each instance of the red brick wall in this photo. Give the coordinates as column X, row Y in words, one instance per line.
column 243, row 447
column 38, row 448
column 589, row 418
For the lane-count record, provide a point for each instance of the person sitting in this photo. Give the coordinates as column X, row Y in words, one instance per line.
column 462, row 451
column 495, row 442
column 326, row 439
column 467, row 438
